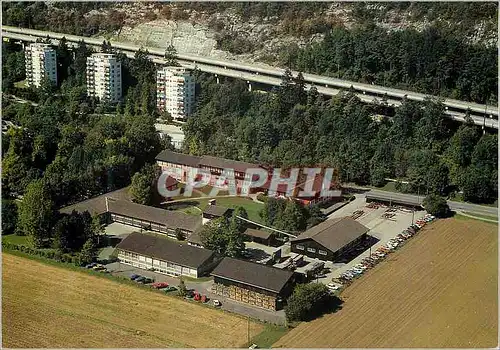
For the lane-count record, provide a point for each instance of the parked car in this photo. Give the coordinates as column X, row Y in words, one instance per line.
column 168, row 289
column 91, row 265
column 98, row 267
column 159, row 285
column 253, row 346
column 148, row 280
column 134, row 276
column 140, row 279
column 217, row 303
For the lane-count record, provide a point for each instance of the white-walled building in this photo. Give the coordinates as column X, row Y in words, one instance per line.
column 40, row 60
column 175, row 91
column 104, row 77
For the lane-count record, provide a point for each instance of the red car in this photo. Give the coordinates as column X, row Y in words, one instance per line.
column 159, row 285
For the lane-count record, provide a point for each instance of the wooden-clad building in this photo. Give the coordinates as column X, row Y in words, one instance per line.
column 255, row 284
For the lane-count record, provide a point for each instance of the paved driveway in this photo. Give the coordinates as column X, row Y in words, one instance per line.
column 204, row 287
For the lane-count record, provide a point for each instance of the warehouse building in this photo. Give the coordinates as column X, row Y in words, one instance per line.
column 259, row 236
column 330, row 239
column 149, row 251
column 151, row 218
column 251, row 283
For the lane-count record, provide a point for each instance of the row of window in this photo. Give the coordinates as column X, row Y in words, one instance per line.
column 311, row 250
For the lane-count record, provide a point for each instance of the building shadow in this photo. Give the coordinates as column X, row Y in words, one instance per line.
column 358, row 250
column 180, row 205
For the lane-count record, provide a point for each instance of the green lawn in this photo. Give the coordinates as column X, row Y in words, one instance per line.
column 17, row 240
column 482, row 216
column 197, row 205
column 269, row 336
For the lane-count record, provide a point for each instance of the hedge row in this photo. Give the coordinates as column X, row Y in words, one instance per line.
column 49, row 254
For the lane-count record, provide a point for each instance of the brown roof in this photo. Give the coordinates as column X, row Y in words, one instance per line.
column 96, row 205
column 170, row 181
column 195, row 237
column 222, row 163
column 178, row 158
column 253, row 274
column 335, row 233
column 161, row 248
column 216, row 210
column 257, row 233
column 168, row 218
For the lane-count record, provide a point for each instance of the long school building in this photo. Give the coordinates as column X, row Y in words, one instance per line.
column 151, row 218
column 148, row 251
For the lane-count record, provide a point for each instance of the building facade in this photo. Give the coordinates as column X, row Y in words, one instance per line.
column 41, row 61
column 162, row 255
column 104, row 77
column 175, row 92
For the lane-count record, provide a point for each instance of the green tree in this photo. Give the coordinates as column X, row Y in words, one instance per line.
column 36, row 213
column 436, row 205
column 181, row 236
column 9, row 216
column 143, row 187
column 171, row 56
column 293, row 218
column 88, row 252
column 182, row 289
column 306, row 302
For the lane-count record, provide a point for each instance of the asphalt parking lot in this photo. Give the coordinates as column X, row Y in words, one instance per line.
column 380, row 228
column 203, row 287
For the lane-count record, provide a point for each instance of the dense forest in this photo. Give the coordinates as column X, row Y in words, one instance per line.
column 438, row 60
column 430, row 62
column 66, row 147
column 292, row 127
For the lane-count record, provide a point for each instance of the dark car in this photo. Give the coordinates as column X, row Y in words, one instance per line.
column 148, row 280
column 140, row 279
column 134, row 276
column 91, row 265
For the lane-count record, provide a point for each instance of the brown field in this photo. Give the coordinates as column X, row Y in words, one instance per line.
column 48, row 306
column 439, row 290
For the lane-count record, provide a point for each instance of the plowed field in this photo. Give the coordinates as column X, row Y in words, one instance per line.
column 439, row 290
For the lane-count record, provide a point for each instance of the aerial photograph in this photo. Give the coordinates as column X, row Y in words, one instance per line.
column 249, row 175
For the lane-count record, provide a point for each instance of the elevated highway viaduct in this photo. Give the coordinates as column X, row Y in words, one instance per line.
column 483, row 115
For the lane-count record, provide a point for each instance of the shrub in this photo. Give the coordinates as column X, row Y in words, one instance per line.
column 262, row 197
column 436, row 205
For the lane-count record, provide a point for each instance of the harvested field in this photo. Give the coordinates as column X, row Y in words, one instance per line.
column 48, row 306
column 439, row 290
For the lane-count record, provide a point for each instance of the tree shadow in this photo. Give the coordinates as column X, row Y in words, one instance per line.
column 180, row 205
column 329, row 305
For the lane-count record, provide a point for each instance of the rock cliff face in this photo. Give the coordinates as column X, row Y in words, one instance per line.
column 227, row 34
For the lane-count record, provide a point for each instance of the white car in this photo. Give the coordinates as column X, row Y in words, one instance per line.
column 217, row 302
column 333, row 286
column 360, row 266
